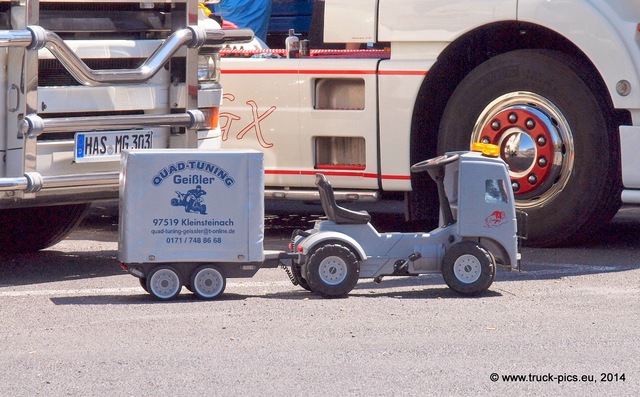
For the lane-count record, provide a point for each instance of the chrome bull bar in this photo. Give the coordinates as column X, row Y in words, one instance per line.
column 33, row 37
column 36, row 37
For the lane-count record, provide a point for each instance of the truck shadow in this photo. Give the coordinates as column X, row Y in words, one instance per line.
column 51, row 265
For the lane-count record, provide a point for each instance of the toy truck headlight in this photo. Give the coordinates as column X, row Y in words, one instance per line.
column 208, row 67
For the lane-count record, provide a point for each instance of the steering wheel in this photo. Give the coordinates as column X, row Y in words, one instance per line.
column 434, row 163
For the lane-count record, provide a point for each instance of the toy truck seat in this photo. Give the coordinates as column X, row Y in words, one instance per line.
column 334, row 212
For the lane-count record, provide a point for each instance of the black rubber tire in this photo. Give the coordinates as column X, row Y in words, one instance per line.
column 296, row 273
column 481, row 268
column 332, row 270
column 33, row 229
column 591, row 196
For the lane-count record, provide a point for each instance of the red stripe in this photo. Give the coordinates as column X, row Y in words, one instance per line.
column 402, row 73
column 258, row 71
column 293, row 71
column 316, row 72
column 338, row 173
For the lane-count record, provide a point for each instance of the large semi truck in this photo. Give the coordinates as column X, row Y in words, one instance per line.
column 80, row 82
column 556, row 84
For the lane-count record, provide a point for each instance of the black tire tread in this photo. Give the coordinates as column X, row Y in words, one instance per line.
column 36, row 228
column 592, row 195
column 488, row 268
column 314, row 280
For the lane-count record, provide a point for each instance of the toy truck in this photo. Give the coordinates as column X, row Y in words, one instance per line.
column 478, row 230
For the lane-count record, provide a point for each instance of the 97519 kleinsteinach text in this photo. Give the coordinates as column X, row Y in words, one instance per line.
column 206, row 222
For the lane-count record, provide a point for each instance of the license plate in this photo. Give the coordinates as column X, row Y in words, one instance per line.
column 107, row 146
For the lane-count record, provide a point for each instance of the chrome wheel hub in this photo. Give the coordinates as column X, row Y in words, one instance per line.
column 535, row 141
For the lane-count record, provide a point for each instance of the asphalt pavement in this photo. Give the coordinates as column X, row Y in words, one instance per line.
column 74, row 324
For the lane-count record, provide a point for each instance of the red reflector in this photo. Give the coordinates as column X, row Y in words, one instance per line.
column 214, row 118
column 300, row 249
column 124, row 266
column 290, row 246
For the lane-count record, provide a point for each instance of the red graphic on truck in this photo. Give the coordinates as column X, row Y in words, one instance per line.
column 496, row 219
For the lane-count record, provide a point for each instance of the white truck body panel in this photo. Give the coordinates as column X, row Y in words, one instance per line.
column 438, row 21
column 606, row 31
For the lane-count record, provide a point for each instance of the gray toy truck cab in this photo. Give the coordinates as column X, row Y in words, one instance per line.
column 478, row 230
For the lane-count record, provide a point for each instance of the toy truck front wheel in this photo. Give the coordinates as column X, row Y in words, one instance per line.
column 332, row 270
column 468, row 268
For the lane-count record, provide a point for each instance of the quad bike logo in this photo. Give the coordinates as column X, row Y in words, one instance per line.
column 192, row 200
column 497, row 218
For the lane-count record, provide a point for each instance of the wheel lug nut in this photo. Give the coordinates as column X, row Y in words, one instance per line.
column 542, row 162
column 532, row 179
column 513, row 118
column 530, row 124
column 495, row 125
column 515, row 186
column 542, row 141
column 486, row 140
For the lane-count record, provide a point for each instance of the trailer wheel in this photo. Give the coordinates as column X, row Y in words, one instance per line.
column 332, row 270
column 468, row 268
column 296, row 273
column 35, row 228
column 208, row 282
column 164, row 283
column 556, row 132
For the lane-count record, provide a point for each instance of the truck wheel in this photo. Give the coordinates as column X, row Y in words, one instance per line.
column 332, row 270
column 164, row 283
column 296, row 273
column 36, row 228
column 555, row 132
column 468, row 268
column 208, row 282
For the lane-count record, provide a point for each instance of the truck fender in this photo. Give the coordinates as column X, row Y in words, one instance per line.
column 609, row 41
column 328, row 237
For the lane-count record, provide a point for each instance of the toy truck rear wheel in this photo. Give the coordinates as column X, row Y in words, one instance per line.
column 208, row 282
column 296, row 272
column 468, row 268
column 332, row 270
column 164, row 283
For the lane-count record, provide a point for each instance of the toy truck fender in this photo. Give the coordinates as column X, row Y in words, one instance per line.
column 328, row 237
